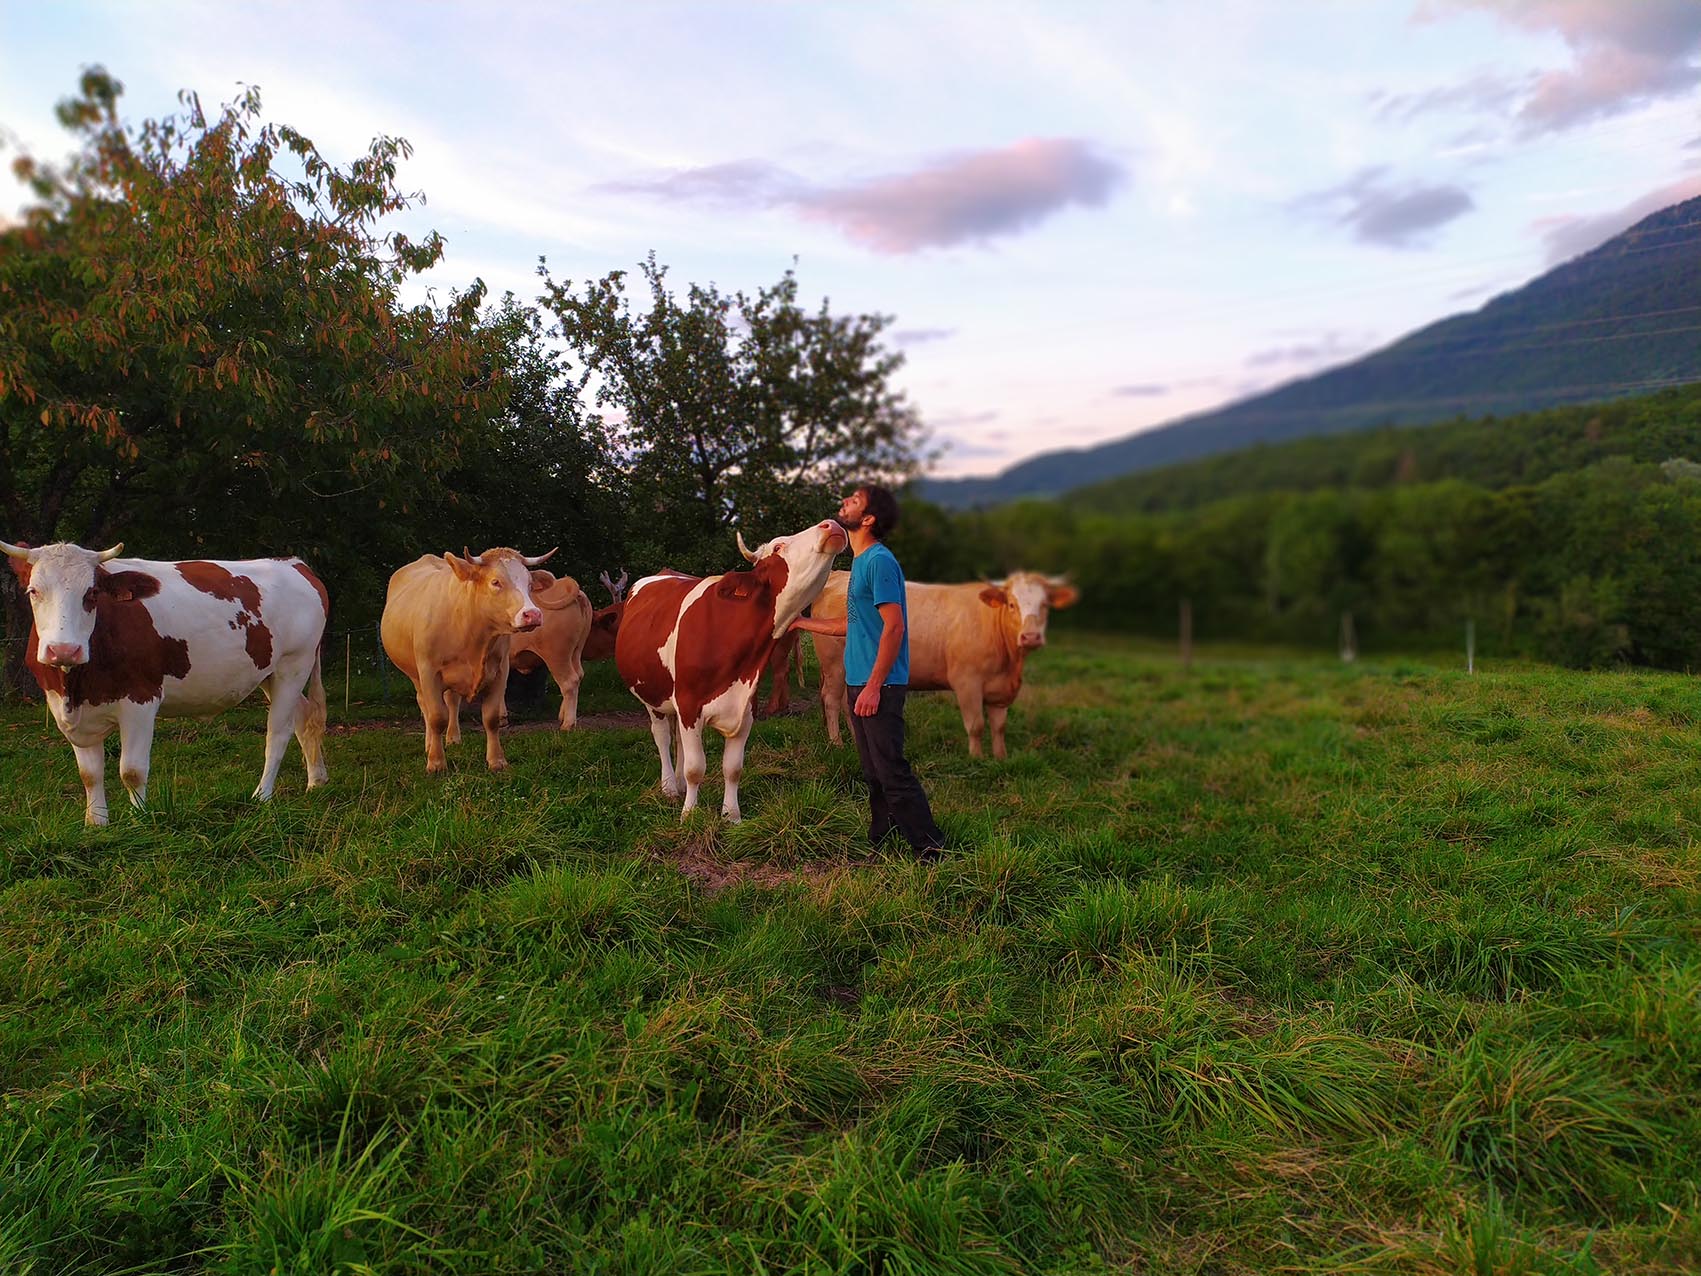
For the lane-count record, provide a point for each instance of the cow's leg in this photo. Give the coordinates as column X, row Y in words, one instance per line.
column 495, row 699
column 135, row 743
column 969, row 696
column 292, row 713
column 832, row 693
column 732, row 764
column 282, row 716
column 310, row 725
column 995, row 716
column 452, row 706
column 91, row 766
column 661, row 730
column 575, row 674
column 696, row 764
column 429, row 692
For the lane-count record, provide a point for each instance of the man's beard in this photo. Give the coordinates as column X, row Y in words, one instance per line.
column 849, row 527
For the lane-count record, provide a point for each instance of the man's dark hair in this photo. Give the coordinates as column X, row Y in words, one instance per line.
column 882, row 506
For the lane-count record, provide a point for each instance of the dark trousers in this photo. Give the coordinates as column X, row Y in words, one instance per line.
column 896, row 799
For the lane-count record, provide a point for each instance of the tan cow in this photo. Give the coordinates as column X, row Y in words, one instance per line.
column 970, row 639
column 559, row 642
column 447, row 625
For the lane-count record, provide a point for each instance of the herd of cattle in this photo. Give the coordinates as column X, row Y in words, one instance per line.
column 116, row 643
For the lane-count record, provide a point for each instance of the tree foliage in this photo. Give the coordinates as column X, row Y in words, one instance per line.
column 734, row 408
column 203, row 343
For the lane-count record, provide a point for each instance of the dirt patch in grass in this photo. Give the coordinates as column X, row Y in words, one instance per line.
column 712, row 874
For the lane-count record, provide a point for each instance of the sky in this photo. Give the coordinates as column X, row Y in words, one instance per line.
column 1085, row 219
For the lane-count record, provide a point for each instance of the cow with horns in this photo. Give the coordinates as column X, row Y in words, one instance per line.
column 970, row 639
column 447, row 624
column 691, row 649
column 116, row 643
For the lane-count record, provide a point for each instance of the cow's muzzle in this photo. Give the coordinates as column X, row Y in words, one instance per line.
column 529, row 620
column 1031, row 641
column 64, row 655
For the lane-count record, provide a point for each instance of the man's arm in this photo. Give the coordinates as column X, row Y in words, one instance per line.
column 826, row 628
column 885, row 656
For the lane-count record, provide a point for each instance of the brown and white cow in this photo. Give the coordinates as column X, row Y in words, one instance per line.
column 691, row 649
column 117, row 642
column 559, row 642
column 447, row 625
column 971, row 639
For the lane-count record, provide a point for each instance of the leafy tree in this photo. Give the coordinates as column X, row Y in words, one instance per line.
column 550, row 474
column 203, row 347
column 734, row 409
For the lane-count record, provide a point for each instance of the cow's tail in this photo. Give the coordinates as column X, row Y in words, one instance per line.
column 310, row 734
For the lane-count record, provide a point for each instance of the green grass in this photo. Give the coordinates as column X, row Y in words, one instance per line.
column 1275, row 966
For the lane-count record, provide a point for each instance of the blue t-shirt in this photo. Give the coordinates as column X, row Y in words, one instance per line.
column 875, row 579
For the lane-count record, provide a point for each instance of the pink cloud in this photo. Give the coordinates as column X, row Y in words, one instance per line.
column 968, row 198
column 1625, row 53
column 1568, row 237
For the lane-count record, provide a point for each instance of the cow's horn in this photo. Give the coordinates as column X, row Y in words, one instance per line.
column 472, row 557
column 540, row 559
column 745, row 549
column 107, row 555
column 14, row 551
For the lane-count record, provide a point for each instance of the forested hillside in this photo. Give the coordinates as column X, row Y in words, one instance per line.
column 1491, row 453
column 1620, row 320
column 1572, row 534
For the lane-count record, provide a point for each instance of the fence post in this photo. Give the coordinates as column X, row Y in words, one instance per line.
column 1470, row 646
column 1186, row 635
column 348, row 660
column 1349, row 638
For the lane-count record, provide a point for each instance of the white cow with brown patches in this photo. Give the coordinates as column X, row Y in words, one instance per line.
column 117, row 642
column 971, row 639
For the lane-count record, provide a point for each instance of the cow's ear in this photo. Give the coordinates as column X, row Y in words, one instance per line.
column 992, row 596
column 1061, row 596
column 607, row 619
column 125, row 586
column 542, row 582
column 461, row 567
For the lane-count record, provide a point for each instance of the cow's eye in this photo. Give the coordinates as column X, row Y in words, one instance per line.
column 33, row 592
column 499, row 584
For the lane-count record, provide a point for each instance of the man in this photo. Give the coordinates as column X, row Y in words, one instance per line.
column 877, row 671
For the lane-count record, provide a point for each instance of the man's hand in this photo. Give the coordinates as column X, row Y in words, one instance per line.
column 868, row 702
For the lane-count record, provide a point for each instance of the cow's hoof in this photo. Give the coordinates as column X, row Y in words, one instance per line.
column 499, row 766
column 732, row 817
column 436, row 768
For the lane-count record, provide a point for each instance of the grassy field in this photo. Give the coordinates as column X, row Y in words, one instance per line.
column 1276, row 966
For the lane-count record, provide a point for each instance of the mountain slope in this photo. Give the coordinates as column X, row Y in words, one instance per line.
column 1620, row 320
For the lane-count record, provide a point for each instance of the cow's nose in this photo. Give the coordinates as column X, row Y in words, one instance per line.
column 64, row 654
column 530, row 619
column 1033, row 640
